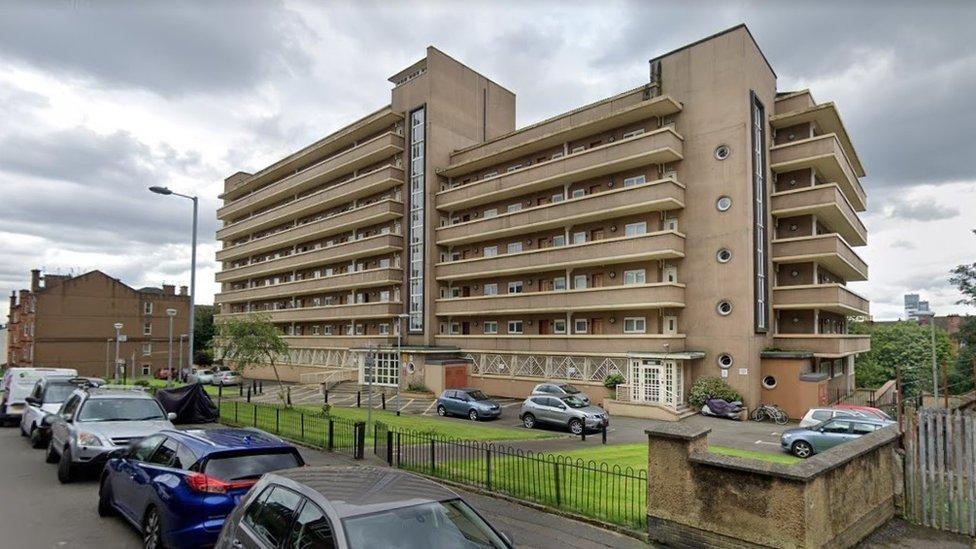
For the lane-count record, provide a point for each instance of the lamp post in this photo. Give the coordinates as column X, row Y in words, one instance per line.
column 399, row 332
column 118, row 334
column 180, row 376
column 193, row 263
column 169, row 358
column 108, row 371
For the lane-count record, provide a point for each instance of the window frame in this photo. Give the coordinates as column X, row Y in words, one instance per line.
column 519, row 331
column 576, row 325
column 635, row 320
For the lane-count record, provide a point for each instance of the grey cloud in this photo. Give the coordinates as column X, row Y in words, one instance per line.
column 904, row 244
column 921, row 210
column 171, row 48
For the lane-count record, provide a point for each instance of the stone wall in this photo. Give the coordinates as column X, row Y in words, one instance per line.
column 834, row 499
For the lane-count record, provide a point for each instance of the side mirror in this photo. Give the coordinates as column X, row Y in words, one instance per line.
column 47, row 420
column 33, row 401
column 119, row 453
column 171, row 416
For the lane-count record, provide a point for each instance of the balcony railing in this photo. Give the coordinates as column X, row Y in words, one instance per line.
column 338, row 341
column 657, row 245
column 829, row 250
column 661, row 195
column 827, row 120
column 824, row 345
column 360, row 279
column 828, row 297
column 550, row 343
column 364, row 216
column 363, row 155
column 373, row 245
column 657, row 147
column 347, row 191
column 607, row 298
column 353, row 311
column 829, row 204
column 825, row 154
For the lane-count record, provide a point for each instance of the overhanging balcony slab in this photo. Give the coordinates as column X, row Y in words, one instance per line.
column 829, row 204
column 824, row 154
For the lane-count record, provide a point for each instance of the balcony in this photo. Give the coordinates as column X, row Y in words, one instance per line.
column 353, row 311
column 835, row 298
column 364, row 216
column 657, row 245
column 347, row 191
column 619, row 111
column 824, row 345
column 549, row 343
column 362, row 155
column 608, row 298
column 346, row 251
column 829, row 250
column 338, row 341
column 657, row 147
column 360, row 279
column 824, row 154
column 827, row 120
column 829, row 204
column 665, row 194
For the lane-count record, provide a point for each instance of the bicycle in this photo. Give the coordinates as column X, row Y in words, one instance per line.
column 772, row 412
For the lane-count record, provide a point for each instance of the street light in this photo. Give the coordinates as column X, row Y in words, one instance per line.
column 399, row 331
column 165, row 191
column 169, row 366
column 118, row 332
column 935, row 367
column 180, row 377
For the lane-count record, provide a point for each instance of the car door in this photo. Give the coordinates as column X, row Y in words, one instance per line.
column 311, row 529
column 461, row 403
column 130, row 479
column 159, row 464
column 559, row 411
column 267, row 522
column 833, row 433
column 33, row 412
column 59, row 429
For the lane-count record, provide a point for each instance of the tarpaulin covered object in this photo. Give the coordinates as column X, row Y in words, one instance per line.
column 190, row 403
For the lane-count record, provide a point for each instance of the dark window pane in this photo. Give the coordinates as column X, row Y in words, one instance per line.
column 145, row 447
column 272, row 520
column 253, row 465
column 165, row 453
column 311, row 530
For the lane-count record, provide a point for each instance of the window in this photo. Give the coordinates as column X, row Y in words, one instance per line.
column 147, row 328
column 635, row 325
column 724, row 308
column 635, row 229
column 559, row 283
column 837, row 426
column 723, row 204
column 491, row 327
column 821, row 415
column 559, row 326
column 635, row 276
column 670, row 325
column 384, row 263
column 360, row 329
column 491, row 251
column 634, row 133
column 760, row 211
column 491, row 288
column 636, row 180
column 581, row 325
column 146, row 369
column 724, row 361
column 489, row 174
column 327, row 330
column 384, row 329
column 580, row 148
column 862, row 428
column 270, row 516
column 723, row 255
column 147, row 307
column 512, row 208
column 492, row 212
column 559, row 240
column 722, row 152
column 579, row 238
column 514, row 247
column 515, row 287
column 556, row 155
column 579, row 282
column 579, row 193
column 165, row 453
column 146, row 349
column 671, row 224
column 513, row 168
column 559, row 197
column 515, row 327
column 418, row 214
column 670, row 274
column 311, row 529
column 145, row 448
column 455, row 328
column 769, row 382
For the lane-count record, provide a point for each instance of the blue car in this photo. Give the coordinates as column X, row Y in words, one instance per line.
column 177, row 487
column 807, row 441
column 471, row 403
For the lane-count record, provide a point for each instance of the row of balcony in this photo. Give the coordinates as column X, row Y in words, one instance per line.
column 824, row 154
column 829, row 204
column 835, row 298
column 661, row 195
column 658, row 147
column 829, row 250
column 619, row 297
column 802, row 110
column 360, row 279
column 824, row 345
column 574, row 343
column 352, row 311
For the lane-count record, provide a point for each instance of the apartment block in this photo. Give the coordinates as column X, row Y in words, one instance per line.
column 699, row 224
column 68, row 322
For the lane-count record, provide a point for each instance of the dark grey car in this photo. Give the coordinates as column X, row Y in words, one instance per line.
column 356, row 508
column 471, row 403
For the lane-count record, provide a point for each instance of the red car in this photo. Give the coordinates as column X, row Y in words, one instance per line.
column 866, row 410
column 163, row 373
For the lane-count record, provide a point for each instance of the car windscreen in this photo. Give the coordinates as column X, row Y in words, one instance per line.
column 574, row 402
column 569, row 389
column 58, row 392
column 477, row 395
column 250, row 465
column 120, row 409
column 438, row 524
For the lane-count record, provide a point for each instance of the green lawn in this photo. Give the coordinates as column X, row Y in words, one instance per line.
column 161, row 384
column 785, row 459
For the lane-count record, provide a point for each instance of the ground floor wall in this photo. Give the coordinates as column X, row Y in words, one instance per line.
column 142, row 357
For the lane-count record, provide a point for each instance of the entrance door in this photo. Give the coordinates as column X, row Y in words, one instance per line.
column 596, row 326
column 657, row 382
column 544, row 327
column 597, row 280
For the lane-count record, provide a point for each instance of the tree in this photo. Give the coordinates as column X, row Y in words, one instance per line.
column 250, row 341
column 964, row 278
column 203, row 327
column 906, row 344
column 961, row 377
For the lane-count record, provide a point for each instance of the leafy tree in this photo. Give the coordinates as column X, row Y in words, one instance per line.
column 902, row 343
column 203, row 327
column 961, row 376
column 964, row 278
column 250, row 341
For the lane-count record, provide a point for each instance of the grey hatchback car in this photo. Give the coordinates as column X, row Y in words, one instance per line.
column 471, row 403
column 354, row 508
column 567, row 411
column 805, row 442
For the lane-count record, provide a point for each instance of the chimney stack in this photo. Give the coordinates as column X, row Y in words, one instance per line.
column 13, row 299
column 169, row 289
column 35, row 280
column 183, row 291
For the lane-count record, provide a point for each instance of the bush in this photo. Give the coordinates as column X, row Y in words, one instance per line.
column 612, row 380
column 417, row 387
column 705, row 388
column 142, row 383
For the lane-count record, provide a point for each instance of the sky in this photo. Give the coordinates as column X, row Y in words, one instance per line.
column 100, row 100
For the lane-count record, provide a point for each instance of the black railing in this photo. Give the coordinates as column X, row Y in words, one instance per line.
column 311, row 428
column 597, row 490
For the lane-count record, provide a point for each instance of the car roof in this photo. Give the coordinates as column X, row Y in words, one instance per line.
column 871, row 420
column 209, row 441
column 110, row 392
column 350, row 491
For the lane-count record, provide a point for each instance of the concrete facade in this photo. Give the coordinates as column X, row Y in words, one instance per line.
column 675, row 230
column 68, row 322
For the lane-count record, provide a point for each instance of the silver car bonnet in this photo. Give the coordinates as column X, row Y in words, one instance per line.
column 123, row 429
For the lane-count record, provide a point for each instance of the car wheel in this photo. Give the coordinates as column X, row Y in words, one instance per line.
column 65, row 469
column 529, row 421
column 52, row 454
column 576, row 426
column 37, row 441
column 441, row 411
column 473, row 415
column 152, row 530
column 802, row 449
column 105, row 508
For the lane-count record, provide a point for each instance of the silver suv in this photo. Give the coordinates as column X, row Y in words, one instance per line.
column 93, row 422
column 559, row 390
column 568, row 411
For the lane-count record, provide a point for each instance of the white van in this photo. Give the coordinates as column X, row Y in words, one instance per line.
column 17, row 384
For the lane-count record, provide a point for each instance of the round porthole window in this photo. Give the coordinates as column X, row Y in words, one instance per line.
column 722, row 152
column 794, row 227
column 724, row 307
column 769, row 382
column 723, row 204
column 724, row 255
column 725, row 361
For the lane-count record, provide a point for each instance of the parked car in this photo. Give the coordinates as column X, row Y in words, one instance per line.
column 805, row 442
column 46, row 398
column 163, row 373
column 218, row 372
column 177, row 487
column 471, row 403
column 201, row 376
column 185, row 373
column 560, row 389
column 17, row 384
column 819, row 415
column 229, row 377
column 866, row 410
column 355, row 508
column 93, row 422
column 567, row 411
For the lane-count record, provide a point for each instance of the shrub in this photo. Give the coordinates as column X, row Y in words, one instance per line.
column 711, row 387
column 142, row 383
column 417, row 387
column 612, row 380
